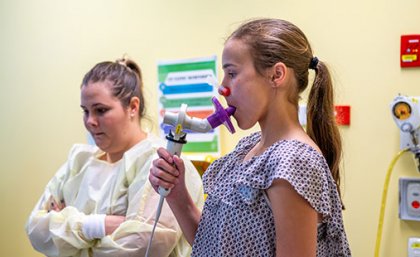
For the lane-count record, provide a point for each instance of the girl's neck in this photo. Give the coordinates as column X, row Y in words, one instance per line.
column 280, row 122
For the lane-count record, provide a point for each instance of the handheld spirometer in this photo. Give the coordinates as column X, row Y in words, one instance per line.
column 176, row 137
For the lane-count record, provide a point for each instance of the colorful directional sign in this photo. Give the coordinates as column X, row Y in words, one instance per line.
column 192, row 82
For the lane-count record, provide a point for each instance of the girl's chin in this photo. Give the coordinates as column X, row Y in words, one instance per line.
column 244, row 125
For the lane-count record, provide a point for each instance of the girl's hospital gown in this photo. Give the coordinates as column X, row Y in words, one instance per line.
column 90, row 186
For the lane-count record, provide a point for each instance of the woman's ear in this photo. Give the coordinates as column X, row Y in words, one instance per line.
column 278, row 74
column 134, row 106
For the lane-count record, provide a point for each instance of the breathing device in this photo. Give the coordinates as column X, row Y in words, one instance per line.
column 181, row 123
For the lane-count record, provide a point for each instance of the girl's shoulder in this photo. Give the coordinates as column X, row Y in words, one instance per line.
column 295, row 160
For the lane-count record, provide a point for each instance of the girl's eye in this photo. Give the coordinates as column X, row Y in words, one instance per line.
column 231, row 75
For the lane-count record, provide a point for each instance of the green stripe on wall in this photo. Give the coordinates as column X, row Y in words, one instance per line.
column 163, row 70
column 192, row 101
column 201, row 147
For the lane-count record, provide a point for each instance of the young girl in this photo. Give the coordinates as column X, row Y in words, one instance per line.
column 277, row 193
column 100, row 202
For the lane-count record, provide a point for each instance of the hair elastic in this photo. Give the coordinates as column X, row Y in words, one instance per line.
column 313, row 63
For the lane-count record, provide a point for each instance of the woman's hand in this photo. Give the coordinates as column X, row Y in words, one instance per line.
column 112, row 222
column 168, row 172
column 53, row 205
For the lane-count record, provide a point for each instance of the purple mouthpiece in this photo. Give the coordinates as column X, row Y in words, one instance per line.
column 221, row 116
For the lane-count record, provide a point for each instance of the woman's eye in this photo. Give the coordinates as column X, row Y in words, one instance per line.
column 101, row 110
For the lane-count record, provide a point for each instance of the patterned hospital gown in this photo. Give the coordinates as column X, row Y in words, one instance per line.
column 237, row 219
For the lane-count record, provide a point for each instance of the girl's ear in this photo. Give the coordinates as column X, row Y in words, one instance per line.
column 279, row 74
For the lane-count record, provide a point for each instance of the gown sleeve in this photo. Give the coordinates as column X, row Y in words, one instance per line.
column 133, row 235
column 60, row 233
column 57, row 233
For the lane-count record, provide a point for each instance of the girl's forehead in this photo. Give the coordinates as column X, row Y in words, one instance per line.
column 235, row 52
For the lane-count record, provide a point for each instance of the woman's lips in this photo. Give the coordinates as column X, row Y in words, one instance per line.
column 99, row 134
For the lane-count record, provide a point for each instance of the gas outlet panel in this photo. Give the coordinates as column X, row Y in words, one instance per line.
column 409, row 202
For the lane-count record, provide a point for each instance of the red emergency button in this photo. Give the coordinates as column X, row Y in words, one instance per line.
column 415, row 204
column 342, row 114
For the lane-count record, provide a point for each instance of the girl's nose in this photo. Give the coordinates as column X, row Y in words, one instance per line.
column 224, row 91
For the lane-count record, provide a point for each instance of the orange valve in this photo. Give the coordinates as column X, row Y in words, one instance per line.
column 402, row 111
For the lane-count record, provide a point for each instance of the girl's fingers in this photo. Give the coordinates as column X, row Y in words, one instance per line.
column 164, row 154
column 179, row 164
column 158, row 182
column 166, row 176
column 162, row 164
column 165, row 170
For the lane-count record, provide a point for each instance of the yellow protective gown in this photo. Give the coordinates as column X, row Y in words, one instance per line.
column 123, row 189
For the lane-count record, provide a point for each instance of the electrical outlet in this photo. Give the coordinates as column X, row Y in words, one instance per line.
column 414, row 247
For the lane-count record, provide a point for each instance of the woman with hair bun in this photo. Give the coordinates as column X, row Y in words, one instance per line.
column 100, row 202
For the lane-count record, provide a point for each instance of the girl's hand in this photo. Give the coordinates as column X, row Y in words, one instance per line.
column 167, row 171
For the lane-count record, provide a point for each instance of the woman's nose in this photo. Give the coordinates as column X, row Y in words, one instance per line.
column 91, row 121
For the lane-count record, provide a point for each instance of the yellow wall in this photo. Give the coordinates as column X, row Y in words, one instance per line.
column 47, row 45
